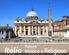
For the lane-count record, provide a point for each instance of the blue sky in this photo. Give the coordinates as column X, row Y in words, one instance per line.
column 9, row 9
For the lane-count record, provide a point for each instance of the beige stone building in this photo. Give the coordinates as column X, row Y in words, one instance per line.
column 61, row 27
column 32, row 25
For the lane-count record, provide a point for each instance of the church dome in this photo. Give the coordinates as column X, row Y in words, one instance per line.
column 31, row 13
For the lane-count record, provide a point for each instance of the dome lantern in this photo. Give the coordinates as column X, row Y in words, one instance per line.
column 31, row 13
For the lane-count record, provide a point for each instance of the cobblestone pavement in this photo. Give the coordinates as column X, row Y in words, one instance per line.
column 37, row 39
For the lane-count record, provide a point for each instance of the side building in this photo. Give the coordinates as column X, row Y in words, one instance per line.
column 61, row 28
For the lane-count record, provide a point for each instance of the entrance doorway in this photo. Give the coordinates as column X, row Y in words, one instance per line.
column 34, row 33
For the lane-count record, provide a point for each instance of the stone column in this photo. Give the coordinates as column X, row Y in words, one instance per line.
column 43, row 30
column 32, row 30
column 15, row 30
column 29, row 30
column 35, row 30
column 52, row 30
column 47, row 30
column 38, row 30
column 24, row 30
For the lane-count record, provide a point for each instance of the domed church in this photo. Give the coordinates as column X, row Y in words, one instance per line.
column 32, row 25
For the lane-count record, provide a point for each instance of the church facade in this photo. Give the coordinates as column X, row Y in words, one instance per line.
column 32, row 25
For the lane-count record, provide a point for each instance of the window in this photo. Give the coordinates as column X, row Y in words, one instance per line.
column 45, row 30
column 17, row 20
